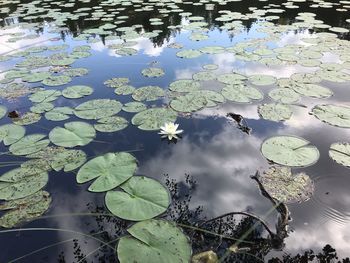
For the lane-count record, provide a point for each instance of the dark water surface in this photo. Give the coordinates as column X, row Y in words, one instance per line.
column 219, row 157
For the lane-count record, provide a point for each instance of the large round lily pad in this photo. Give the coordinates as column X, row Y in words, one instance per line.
column 148, row 93
column 11, row 133
column 45, row 96
column 78, row 91
column 155, row 241
column 340, row 153
column 134, row 106
column 143, row 198
column 96, row 109
column 184, row 85
column 290, row 151
column 284, row 95
column 73, row 134
column 189, row 103
column 59, row 114
column 188, row 53
column 313, row 90
column 241, row 93
column 153, row 72
column 109, row 170
column 336, row 115
column 111, row 124
column 286, row 187
column 29, row 144
column 275, row 111
column 153, row 119
column 262, row 80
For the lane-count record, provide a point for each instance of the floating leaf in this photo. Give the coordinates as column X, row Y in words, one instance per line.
column 124, row 90
column 153, row 72
column 188, row 53
column 184, row 85
column 284, row 95
column 289, row 151
column 313, row 90
column 189, row 103
column 96, row 109
column 336, row 115
column 24, row 209
column 340, row 153
column 29, row 144
column 143, row 198
column 155, row 241
column 21, row 182
column 241, row 93
column 59, row 114
column 286, row 187
column 111, row 124
column 213, row 98
column 148, row 93
column 204, row 76
column 109, row 170
column 153, row 119
column 76, row 92
column 45, row 96
column 11, row 133
column 231, row 78
column 58, row 80
column 42, row 107
column 262, row 80
column 116, row 82
column 35, row 76
column 134, row 106
column 275, row 111
column 27, row 118
column 73, row 134
column 3, row 111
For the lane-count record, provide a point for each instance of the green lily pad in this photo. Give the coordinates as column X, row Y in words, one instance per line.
column 153, row 119
column 188, row 53
column 213, row 98
column 204, row 76
column 231, row 78
column 275, row 111
column 29, row 144
column 313, row 90
column 109, row 170
column 59, row 114
column 153, row 72
column 76, row 72
column 3, row 111
column 340, row 153
column 336, row 115
column 58, row 80
column 27, row 118
column 284, row 95
column 241, row 93
column 35, row 76
column 24, row 209
column 143, row 198
column 73, row 134
column 155, row 241
column 262, row 80
column 126, row 51
column 59, row 158
column 21, row 182
column 184, row 85
column 212, row 50
column 76, row 92
column 111, row 124
column 189, row 103
column 45, row 96
column 42, row 107
column 96, row 109
column 11, row 133
column 286, row 187
column 116, row 82
column 124, row 90
column 134, row 106
column 148, row 93
column 290, row 151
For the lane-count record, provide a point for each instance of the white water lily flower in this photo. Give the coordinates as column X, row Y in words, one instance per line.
column 170, row 130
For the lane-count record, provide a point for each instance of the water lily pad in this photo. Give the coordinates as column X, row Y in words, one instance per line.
column 275, row 111
column 189, row 103
column 24, row 209
column 157, row 240
column 213, row 98
column 336, row 115
column 126, row 51
column 111, row 124
column 116, row 82
column 73, row 134
column 29, row 144
column 231, row 78
column 59, row 114
column 3, row 111
column 286, row 187
column 262, row 80
column 284, row 95
column 35, row 76
column 124, row 90
column 109, row 170
column 148, row 93
column 153, row 72
column 188, row 53
column 76, row 72
column 290, row 151
column 21, row 182
column 340, row 153
column 313, row 90
column 76, row 92
column 45, row 96
column 59, row 158
column 184, row 85
column 204, row 76
column 11, row 133
column 27, row 118
column 42, row 107
column 212, row 50
column 58, row 80
column 143, row 198
column 241, row 93
column 96, row 109
column 134, row 106
column 153, row 119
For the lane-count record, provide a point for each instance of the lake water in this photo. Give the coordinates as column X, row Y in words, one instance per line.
column 267, row 44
